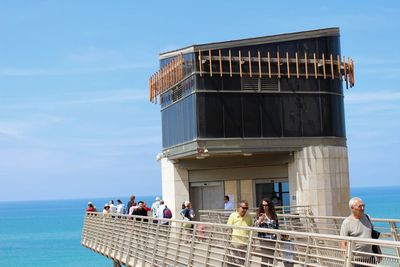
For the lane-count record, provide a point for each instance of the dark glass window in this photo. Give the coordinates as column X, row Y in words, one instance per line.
column 271, row 113
column 252, row 115
column 210, row 115
column 232, row 115
column 291, row 115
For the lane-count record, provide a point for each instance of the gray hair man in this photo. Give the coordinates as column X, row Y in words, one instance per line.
column 358, row 225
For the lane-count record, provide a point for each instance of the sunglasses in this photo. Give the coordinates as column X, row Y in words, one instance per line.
column 245, row 208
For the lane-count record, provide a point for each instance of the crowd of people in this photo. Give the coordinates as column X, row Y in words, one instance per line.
column 158, row 209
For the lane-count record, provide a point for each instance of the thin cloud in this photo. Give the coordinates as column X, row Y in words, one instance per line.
column 98, row 97
column 71, row 71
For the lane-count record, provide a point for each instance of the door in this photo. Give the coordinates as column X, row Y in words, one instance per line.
column 207, row 196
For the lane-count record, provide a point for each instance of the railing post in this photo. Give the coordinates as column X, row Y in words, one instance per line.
column 116, row 264
column 153, row 257
column 393, row 230
column 192, row 245
column 349, row 253
column 248, row 252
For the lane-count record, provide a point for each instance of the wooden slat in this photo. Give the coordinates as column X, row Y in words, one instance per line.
column 306, row 64
column 323, row 65
column 279, row 65
column 240, row 63
column 230, row 63
column 332, row 68
column 338, row 67
column 269, row 65
column 288, row 64
column 200, row 64
column 250, row 70
column 209, row 55
column 220, row 63
column 297, row 66
column 315, row 66
column 259, row 64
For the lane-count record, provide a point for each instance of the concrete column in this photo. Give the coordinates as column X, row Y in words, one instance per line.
column 246, row 192
column 175, row 186
column 319, row 177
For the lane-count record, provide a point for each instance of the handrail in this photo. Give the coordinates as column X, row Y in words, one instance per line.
column 132, row 241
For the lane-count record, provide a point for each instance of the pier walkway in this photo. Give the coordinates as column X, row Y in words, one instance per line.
column 132, row 241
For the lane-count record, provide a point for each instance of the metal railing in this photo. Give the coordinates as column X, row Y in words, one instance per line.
column 144, row 241
column 311, row 224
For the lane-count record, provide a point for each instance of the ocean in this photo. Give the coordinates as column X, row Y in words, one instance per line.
column 47, row 233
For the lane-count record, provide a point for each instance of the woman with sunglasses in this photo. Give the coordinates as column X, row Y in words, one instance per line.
column 266, row 218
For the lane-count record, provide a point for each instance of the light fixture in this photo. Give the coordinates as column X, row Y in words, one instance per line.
column 247, row 154
column 199, row 157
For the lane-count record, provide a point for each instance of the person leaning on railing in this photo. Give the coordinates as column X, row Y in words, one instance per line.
column 240, row 237
column 266, row 218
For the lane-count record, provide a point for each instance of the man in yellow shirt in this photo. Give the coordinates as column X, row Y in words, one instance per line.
column 240, row 237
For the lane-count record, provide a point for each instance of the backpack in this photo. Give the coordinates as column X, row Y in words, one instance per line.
column 167, row 214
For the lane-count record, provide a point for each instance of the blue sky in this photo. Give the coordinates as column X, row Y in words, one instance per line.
column 75, row 120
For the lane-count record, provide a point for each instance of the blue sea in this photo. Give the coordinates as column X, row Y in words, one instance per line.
column 47, row 233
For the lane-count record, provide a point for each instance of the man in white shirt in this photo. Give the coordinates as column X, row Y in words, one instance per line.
column 120, row 207
column 155, row 206
column 113, row 208
column 228, row 205
column 160, row 210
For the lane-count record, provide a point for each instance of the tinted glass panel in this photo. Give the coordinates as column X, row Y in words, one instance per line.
column 251, row 115
column 179, row 122
column 210, row 110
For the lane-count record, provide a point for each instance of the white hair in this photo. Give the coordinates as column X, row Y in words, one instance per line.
column 353, row 200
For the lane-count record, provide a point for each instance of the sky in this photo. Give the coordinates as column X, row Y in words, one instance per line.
column 75, row 120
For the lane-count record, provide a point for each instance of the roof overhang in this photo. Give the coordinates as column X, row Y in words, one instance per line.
column 254, row 41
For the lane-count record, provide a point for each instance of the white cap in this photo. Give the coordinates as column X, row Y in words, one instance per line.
column 90, row 203
column 158, row 198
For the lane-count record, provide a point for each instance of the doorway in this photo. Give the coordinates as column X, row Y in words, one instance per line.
column 207, row 196
column 272, row 188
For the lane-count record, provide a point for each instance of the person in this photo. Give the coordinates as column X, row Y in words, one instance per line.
column 288, row 248
column 188, row 212
column 155, row 206
column 91, row 207
column 113, row 208
column 239, row 237
column 106, row 210
column 188, row 216
column 140, row 211
column 120, row 207
column 266, row 218
column 182, row 211
column 228, row 205
column 160, row 209
column 276, row 200
column 163, row 212
column 358, row 225
column 130, row 203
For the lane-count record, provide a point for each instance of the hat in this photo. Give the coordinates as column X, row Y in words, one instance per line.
column 158, row 198
column 90, row 203
column 106, row 205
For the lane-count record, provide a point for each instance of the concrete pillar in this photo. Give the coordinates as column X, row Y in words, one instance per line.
column 319, row 177
column 175, row 186
column 246, row 192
